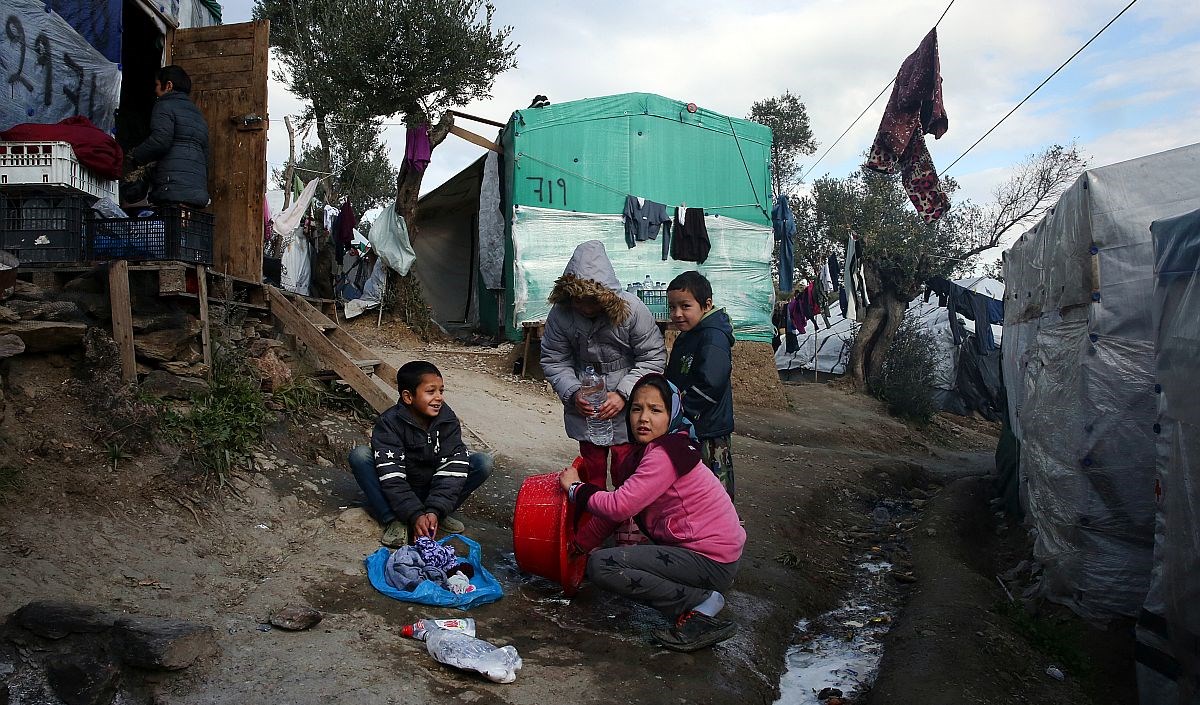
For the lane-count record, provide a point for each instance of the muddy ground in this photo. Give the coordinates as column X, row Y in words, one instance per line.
column 139, row 535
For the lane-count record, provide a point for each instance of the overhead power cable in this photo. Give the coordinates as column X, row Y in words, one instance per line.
column 869, row 106
column 1039, row 86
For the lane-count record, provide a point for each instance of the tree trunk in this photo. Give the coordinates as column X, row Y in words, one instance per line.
column 884, row 316
column 326, row 161
column 291, row 165
column 404, row 293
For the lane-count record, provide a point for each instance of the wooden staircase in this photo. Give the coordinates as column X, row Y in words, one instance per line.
column 349, row 359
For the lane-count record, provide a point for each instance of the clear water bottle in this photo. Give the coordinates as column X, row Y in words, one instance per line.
column 455, row 648
column 648, row 283
column 595, row 392
column 420, row 630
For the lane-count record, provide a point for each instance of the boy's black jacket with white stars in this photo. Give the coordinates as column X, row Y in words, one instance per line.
column 414, row 463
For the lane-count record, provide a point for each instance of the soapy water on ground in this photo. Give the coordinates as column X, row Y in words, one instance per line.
column 842, row 648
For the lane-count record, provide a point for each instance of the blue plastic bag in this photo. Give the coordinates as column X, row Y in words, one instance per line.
column 487, row 588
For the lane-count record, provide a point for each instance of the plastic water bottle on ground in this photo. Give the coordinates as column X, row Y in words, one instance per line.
column 594, row 392
column 454, row 648
column 419, row 630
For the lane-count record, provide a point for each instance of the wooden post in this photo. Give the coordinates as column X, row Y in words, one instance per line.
column 291, row 165
column 122, row 318
column 382, row 293
column 205, row 331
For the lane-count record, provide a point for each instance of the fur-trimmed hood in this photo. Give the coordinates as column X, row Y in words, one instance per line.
column 590, row 273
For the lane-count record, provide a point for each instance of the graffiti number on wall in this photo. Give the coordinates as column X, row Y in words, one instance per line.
column 545, row 189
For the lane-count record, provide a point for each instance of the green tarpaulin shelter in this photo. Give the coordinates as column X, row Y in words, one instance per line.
column 562, row 179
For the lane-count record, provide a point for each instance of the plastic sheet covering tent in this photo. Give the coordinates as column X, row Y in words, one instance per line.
column 1079, row 361
column 572, row 164
column 828, row 349
column 734, row 265
column 296, row 261
column 38, row 90
column 372, row 294
column 1168, row 629
column 451, row 245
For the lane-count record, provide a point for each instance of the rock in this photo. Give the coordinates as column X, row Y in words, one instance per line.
column 192, row 355
column 165, row 385
column 1055, row 673
column 827, row 693
column 904, row 577
column 46, row 310
column 54, row 619
column 161, row 643
column 271, row 370
column 357, row 522
column 261, row 345
column 7, row 315
column 163, row 345
column 324, row 462
column 46, row 336
column 24, row 291
column 296, row 618
column 89, row 283
column 83, row 679
column 10, row 345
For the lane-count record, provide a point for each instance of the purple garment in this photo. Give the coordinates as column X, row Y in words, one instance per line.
column 436, row 555
column 417, row 149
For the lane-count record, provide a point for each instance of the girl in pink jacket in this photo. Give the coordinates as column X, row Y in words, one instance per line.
column 696, row 537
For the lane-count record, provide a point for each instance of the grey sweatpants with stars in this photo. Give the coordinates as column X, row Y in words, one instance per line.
column 672, row 580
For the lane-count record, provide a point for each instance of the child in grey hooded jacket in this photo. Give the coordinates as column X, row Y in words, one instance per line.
column 594, row 323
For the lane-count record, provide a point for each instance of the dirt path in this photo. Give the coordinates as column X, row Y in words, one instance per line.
column 137, row 540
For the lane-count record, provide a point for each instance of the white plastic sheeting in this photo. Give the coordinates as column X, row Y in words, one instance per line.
column 739, row 264
column 1079, row 371
column 832, row 345
column 51, row 72
column 389, row 238
column 1168, row 630
column 372, row 294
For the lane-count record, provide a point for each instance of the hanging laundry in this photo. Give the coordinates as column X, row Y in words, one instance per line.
column 835, row 272
column 417, row 148
column 914, row 109
column 854, row 297
column 643, row 219
column 826, row 281
column 784, row 225
column 981, row 308
column 689, row 241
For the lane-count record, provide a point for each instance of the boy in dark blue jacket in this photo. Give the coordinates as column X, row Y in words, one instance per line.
column 701, row 364
column 417, row 469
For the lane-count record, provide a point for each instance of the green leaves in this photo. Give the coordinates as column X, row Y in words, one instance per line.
column 793, row 137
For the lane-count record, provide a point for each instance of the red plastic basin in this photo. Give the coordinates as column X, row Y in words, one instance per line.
column 543, row 529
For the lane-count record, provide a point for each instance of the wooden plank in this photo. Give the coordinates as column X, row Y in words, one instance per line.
column 224, row 301
column 205, row 331
column 122, row 318
column 297, row 324
column 475, row 139
column 240, row 30
column 207, row 65
column 353, row 347
column 485, row 121
column 221, row 47
column 219, row 82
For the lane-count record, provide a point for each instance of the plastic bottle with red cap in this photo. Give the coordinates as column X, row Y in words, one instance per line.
column 419, row 630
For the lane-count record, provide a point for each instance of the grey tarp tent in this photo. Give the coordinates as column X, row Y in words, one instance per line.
column 1079, row 368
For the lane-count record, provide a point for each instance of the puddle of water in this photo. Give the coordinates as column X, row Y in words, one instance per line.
column 841, row 649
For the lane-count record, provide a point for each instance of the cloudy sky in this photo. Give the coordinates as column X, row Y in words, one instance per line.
column 1134, row 91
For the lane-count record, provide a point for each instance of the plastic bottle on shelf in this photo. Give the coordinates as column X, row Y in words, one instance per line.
column 595, row 392
column 419, row 630
column 455, row 648
column 648, row 283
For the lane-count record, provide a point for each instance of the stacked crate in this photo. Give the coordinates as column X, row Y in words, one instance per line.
column 45, row 197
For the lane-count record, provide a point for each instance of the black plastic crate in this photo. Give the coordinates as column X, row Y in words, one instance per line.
column 172, row 233
column 44, row 227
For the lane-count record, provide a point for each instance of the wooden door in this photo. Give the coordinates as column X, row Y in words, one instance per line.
column 228, row 68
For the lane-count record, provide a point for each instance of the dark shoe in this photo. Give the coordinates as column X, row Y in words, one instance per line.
column 395, row 534
column 694, row 631
column 451, row 525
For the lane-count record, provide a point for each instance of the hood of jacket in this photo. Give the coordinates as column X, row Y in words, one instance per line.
column 717, row 319
column 590, row 273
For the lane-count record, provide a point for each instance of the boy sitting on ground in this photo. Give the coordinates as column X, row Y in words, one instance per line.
column 417, row 469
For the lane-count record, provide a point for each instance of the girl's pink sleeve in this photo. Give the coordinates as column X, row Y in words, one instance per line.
column 653, row 476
